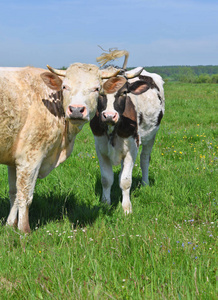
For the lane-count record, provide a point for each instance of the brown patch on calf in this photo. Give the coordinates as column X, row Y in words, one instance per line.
column 128, row 123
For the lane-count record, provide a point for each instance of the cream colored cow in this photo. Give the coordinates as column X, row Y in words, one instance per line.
column 40, row 116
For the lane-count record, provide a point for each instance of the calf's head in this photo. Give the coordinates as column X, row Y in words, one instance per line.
column 115, row 109
column 80, row 85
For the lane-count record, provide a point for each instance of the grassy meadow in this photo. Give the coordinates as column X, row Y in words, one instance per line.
column 167, row 249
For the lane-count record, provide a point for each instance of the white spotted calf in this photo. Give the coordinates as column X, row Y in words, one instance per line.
column 128, row 114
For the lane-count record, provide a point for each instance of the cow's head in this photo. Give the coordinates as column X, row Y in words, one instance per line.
column 115, row 108
column 80, row 85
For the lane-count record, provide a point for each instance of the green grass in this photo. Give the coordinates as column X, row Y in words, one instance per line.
column 80, row 249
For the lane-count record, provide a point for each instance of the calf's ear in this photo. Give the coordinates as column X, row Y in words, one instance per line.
column 138, row 87
column 52, row 81
column 113, row 84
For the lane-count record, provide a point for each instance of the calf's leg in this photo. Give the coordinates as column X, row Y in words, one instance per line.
column 107, row 177
column 145, row 159
column 126, row 180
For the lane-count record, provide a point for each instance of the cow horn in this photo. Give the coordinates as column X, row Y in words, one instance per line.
column 134, row 73
column 108, row 73
column 56, row 71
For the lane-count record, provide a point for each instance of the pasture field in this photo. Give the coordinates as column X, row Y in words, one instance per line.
column 167, row 249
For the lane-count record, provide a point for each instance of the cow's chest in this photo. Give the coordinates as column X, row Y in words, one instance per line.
column 115, row 147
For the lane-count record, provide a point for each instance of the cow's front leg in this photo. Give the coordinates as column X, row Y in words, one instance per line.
column 26, row 179
column 12, row 218
column 145, row 159
column 107, row 177
column 126, row 181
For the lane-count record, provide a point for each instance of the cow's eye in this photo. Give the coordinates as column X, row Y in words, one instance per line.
column 97, row 89
column 124, row 93
column 65, row 87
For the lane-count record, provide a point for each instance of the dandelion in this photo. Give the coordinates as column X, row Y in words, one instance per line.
column 180, row 152
column 40, row 251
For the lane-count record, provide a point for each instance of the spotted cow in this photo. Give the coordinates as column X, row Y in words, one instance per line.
column 128, row 114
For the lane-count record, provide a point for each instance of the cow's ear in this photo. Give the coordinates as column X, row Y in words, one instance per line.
column 138, row 87
column 52, row 81
column 113, row 84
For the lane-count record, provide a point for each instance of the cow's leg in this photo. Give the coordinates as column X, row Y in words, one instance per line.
column 26, row 179
column 126, row 180
column 107, row 177
column 145, row 159
column 12, row 218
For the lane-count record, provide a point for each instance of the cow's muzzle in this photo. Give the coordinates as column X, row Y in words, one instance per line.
column 109, row 117
column 77, row 112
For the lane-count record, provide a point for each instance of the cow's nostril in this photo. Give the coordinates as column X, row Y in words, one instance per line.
column 82, row 109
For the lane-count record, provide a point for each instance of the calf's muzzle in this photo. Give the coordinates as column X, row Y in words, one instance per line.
column 109, row 117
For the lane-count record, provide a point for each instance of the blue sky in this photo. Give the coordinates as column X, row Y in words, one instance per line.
column 155, row 32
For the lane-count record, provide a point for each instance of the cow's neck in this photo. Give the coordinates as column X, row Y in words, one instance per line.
column 111, row 133
column 69, row 136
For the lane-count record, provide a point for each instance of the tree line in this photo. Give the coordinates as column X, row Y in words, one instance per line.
column 191, row 74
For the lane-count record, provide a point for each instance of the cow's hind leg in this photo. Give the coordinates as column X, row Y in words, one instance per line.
column 12, row 218
column 145, row 159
